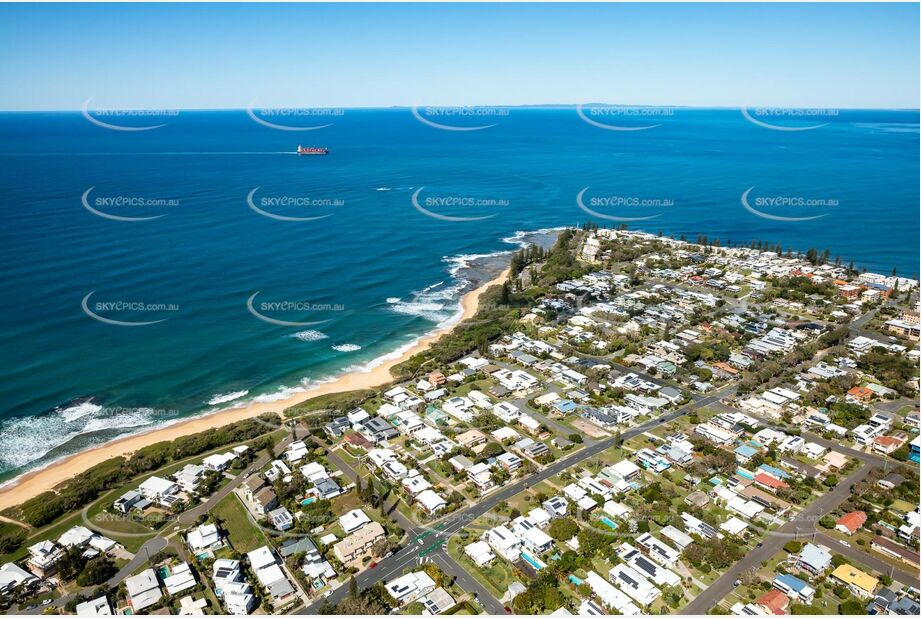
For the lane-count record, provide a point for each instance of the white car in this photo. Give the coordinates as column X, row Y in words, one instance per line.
column 845, row 543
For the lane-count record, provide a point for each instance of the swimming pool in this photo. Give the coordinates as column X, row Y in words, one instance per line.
column 307, row 501
column 575, row 580
column 609, row 523
column 534, row 562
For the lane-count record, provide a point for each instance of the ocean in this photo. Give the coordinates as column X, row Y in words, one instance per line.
column 151, row 275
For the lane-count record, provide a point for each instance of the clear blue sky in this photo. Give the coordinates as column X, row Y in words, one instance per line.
column 229, row 56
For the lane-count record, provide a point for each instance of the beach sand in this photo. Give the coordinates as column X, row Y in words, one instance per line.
column 33, row 483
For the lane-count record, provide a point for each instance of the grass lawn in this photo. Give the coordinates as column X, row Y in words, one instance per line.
column 244, row 535
column 495, row 578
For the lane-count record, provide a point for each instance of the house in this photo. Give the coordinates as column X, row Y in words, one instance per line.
column 160, row 490
column 773, row 602
column 769, row 483
column 409, row 587
column 204, row 538
column 894, row 550
column 378, row 430
column 13, row 576
column 658, row 575
column 506, row 411
column 480, row 553
column 431, row 502
column 814, row 559
column 677, row 537
column 326, row 489
column 219, row 463
column 130, row 500
column 664, row 554
column 504, row 542
column 264, row 501
column 794, row 587
column 634, row 584
column 143, row 590
column 851, row 522
column 471, row 438
column 627, row 470
column 271, row 577
column 355, row 546
column 280, row 518
column 353, row 520
column 438, row 601
column 238, row 598
column 529, row 424
column 860, row 394
column 95, row 607
column 556, row 506
column 296, row 451
column 734, row 526
column 886, row 445
column 180, row 579
column 44, row 557
column 610, row 596
column 251, row 486
column 858, row 582
column 481, row 476
column 509, row 461
column 229, row 586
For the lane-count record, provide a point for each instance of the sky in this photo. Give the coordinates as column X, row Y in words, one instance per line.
column 181, row 56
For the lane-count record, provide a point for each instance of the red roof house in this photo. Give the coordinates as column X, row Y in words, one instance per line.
column 774, row 601
column 851, row 523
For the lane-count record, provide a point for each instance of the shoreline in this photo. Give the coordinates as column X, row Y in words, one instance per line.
column 30, row 484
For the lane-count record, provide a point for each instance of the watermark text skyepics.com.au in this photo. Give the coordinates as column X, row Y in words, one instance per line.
column 126, row 119
column 295, row 118
column 624, row 117
column 126, row 312
column 293, row 207
column 790, row 119
column 460, row 117
column 127, row 207
column 458, row 208
column 624, row 208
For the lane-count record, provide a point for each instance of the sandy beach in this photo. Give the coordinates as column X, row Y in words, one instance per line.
column 33, row 483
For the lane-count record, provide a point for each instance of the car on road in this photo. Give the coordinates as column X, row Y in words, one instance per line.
column 760, row 545
column 736, row 583
column 327, row 594
column 372, row 565
column 508, row 610
column 843, row 542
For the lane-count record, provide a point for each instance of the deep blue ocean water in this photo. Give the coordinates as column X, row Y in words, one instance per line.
column 376, row 271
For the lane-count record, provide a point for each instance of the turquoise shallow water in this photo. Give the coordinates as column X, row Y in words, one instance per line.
column 378, row 264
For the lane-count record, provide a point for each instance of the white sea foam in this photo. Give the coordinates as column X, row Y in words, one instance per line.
column 27, row 439
column 309, row 335
column 78, row 411
column 346, row 347
column 393, row 300
column 383, row 189
column 224, row 398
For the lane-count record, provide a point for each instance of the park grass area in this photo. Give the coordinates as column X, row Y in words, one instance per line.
column 244, row 535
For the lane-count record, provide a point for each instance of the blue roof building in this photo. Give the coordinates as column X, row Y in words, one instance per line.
column 775, row 472
column 744, row 453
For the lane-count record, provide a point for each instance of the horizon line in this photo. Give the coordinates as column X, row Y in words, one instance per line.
column 488, row 106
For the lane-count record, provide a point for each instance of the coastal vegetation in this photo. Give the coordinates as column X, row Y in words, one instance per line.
column 87, row 486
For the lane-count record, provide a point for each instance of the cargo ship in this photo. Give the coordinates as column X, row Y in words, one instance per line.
column 311, row 150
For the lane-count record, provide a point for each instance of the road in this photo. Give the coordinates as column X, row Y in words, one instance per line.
column 454, row 522
column 442, row 559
